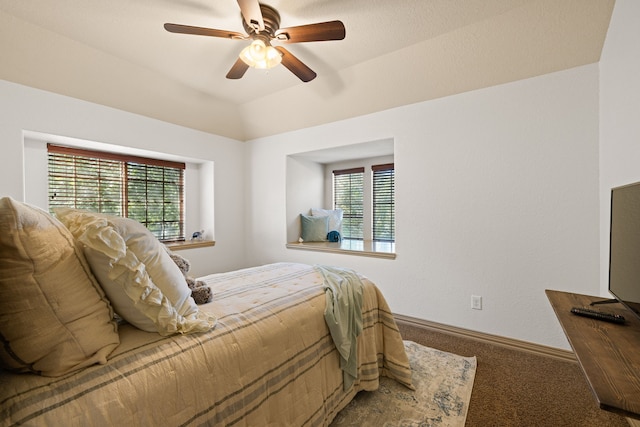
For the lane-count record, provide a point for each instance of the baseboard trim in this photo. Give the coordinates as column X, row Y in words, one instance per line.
column 511, row 343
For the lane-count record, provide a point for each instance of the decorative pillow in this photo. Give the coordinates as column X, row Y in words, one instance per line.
column 144, row 285
column 335, row 217
column 314, row 228
column 54, row 317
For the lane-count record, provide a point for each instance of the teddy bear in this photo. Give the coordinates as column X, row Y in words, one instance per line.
column 200, row 292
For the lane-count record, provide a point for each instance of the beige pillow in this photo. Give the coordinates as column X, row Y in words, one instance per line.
column 54, row 317
column 143, row 283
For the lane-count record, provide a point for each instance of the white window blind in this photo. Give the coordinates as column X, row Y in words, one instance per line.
column 150, row 191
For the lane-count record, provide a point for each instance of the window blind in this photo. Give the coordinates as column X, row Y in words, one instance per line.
column 348, row 195
column 150, row 191
column 384, row 202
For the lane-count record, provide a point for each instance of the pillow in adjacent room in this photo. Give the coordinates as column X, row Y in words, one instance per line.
column 334, row 215
column 314, row 228
column 54, row 317
column 144, row 285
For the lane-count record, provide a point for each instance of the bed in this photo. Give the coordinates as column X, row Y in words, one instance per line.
column 97, row 328
column 270, row 360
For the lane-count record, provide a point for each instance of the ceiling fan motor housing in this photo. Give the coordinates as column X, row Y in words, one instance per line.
column 271, row 19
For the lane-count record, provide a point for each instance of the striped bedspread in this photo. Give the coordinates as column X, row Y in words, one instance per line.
column 269, row 361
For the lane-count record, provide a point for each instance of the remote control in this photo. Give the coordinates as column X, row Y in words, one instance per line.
column 598, row 315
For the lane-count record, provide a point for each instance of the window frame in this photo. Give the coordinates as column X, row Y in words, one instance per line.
column 383, row 202
column 368, row 167
column 127, row 162
column 344, row 181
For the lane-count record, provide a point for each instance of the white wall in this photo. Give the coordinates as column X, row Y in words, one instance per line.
column 305, row 189
column 496, row 195
column 26, row 110
column 619, row 115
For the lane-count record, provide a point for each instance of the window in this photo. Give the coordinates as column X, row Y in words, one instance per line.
column 342, row 177
column 384, row 203
column 149, row 191
column 348, row 195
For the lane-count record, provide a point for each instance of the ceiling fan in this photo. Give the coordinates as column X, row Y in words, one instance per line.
column 262, row 24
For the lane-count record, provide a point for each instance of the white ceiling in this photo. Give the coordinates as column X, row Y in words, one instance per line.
column 396, row 52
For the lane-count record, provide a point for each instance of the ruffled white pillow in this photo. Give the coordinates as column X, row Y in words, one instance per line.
column 144, row 285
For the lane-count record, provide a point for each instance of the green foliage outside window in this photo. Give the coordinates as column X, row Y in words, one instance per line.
column 146, row 190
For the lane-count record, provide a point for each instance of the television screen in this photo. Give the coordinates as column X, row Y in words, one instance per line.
column 624, row 249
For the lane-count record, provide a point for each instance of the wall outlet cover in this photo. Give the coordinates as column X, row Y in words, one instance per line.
column 476, row 302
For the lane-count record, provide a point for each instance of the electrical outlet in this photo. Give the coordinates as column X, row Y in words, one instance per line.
column 476, row 302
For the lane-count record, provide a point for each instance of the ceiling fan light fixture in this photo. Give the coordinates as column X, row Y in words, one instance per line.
column 260, row 55
column 262, row 25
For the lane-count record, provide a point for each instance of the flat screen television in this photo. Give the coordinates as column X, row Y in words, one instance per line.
column 624, row 246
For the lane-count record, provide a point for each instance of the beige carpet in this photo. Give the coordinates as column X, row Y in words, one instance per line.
column 443, row 383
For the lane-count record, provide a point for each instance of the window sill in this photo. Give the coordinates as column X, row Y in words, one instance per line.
column 349, row 247
column 190, row 244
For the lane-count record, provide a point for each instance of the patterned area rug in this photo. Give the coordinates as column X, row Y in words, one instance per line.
column 443, row 383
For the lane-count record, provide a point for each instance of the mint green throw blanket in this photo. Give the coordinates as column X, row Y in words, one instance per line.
column 343, row 314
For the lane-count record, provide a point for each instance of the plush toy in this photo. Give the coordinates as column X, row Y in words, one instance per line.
column 200, row 292
column 334, row 236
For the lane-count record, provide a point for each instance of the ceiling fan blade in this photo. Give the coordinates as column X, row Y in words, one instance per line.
column 332, row 30
column 238, row 70
column 200, row 31
column 252, row 14
column 296, row 66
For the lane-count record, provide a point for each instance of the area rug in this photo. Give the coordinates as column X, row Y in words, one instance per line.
column 443, row 383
